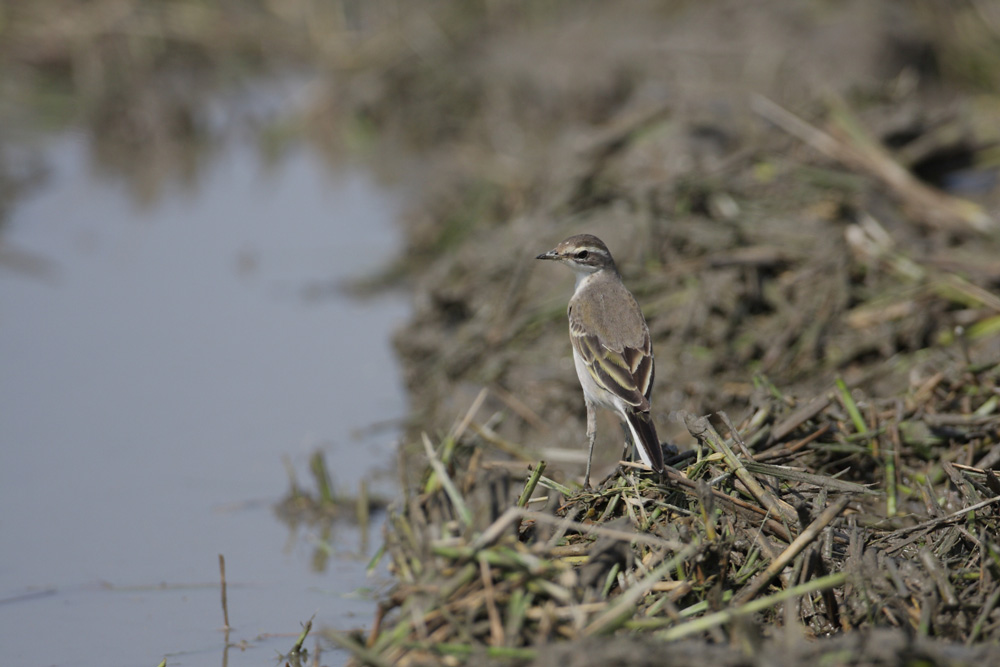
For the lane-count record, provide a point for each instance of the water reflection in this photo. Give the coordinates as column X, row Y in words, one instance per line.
column 158, row 362
column 316, row 509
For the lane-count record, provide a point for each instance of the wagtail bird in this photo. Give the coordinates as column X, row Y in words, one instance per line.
column 611, row 348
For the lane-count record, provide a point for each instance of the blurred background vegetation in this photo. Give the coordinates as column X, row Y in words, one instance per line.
column 494, row 99
column 140, row 75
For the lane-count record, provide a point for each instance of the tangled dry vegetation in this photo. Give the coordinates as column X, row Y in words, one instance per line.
column 832, row 517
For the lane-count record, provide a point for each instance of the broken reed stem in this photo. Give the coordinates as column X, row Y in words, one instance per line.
column 363, row 507
column 718, row 618
column 496, row 627
column 225, row 603
column 601, row 531
column 735, row 435
column 701, row 429
column 532, row 482
column 855, row 414
column 811, row 532
column 553, row 485
column 939, row 576
column 317, row 465
column 297, row 647
column 822, row 481
column 891, row 458
column 469, row 415
column 516, row 514
column 449, row 487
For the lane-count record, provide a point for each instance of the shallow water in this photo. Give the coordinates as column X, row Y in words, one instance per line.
column 155, row 371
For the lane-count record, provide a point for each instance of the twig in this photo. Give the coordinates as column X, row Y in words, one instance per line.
column 737, row 438
column 496, row 627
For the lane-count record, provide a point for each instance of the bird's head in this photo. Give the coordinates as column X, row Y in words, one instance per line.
column 584, row 253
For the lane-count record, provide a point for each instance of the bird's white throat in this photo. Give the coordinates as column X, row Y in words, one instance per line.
column 584, row 277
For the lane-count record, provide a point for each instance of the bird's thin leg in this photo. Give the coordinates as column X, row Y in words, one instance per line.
column 619, row 469
column 591, row 437
column 626, row 454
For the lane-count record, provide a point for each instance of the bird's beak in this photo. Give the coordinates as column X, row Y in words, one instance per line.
column 551, row 254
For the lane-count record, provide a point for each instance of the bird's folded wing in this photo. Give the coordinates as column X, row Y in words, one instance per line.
column 627, row 374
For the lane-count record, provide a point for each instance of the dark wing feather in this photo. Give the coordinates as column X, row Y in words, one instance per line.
column 648, row 441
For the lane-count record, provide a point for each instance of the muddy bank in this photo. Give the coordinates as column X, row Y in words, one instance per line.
column 802, row 199
column 740, row 163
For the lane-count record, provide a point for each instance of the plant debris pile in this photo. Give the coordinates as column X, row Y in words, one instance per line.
column 822, row 518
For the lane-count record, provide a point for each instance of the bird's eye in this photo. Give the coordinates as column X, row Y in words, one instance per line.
column 582, row 254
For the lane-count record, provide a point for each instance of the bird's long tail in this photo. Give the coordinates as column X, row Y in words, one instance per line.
column 644, row 436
